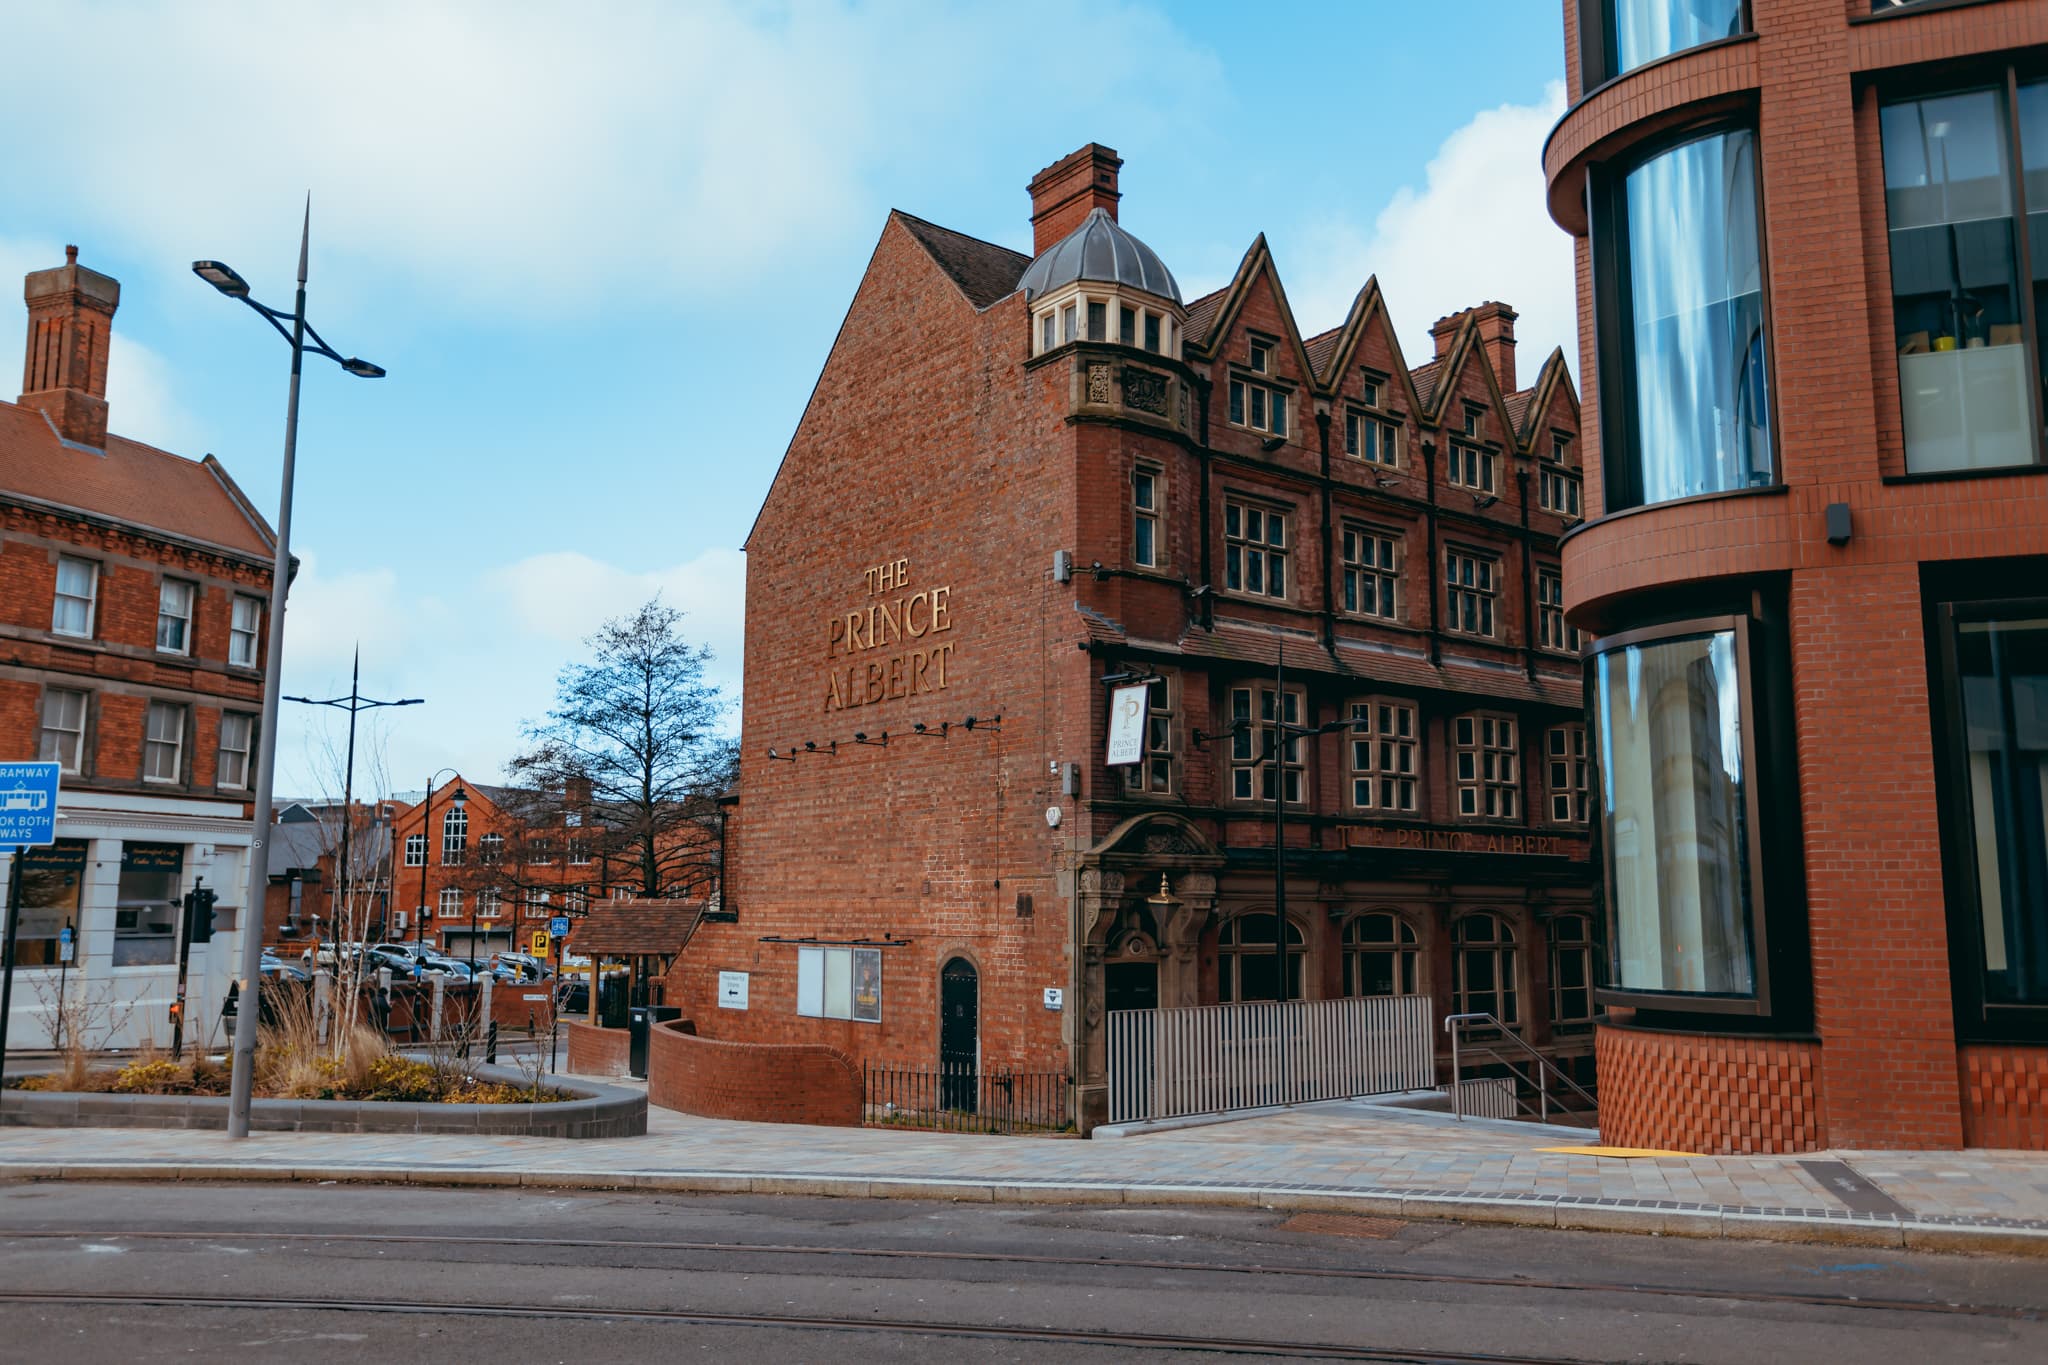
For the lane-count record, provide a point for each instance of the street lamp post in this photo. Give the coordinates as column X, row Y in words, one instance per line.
column 353, row 703
column 242, row 1081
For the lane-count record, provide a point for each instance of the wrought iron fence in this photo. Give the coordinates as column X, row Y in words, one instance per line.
column 959, row 1100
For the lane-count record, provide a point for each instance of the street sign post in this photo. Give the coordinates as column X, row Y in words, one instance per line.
column 28, row 819
column 540, row 943
column 558, row 927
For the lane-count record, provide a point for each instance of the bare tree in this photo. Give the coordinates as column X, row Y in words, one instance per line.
column 628, row 751
column 359, row 898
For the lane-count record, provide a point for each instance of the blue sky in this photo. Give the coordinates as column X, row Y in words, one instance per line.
column 603, row 249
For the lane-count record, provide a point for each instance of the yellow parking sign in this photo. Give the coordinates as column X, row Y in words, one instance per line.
column 540, row 943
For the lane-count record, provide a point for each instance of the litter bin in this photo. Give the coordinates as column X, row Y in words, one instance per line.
column 645, row 1017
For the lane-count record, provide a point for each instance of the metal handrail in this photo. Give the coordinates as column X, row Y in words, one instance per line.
column 1544, row 1067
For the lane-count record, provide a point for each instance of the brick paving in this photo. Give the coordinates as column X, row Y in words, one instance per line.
column 1344, row 1157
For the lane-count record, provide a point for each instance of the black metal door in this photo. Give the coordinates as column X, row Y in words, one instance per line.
column 1131, row 986
column 959, row 1031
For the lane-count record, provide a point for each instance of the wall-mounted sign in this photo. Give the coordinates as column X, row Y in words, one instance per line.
column 1127, row 723
column 867, row 985
column 141, row 857
column 28, row 803
column 1468, row 841
column 732, row 990
column 888, row 647
column 1055, row 998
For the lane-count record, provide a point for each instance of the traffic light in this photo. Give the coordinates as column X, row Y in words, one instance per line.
column 199, row 915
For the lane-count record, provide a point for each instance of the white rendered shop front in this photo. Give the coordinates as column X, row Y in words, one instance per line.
column 116, row 878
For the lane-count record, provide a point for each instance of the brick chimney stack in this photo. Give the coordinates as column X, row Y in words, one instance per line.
column 70, row 322
column 1496, row 334
column 1066, row 192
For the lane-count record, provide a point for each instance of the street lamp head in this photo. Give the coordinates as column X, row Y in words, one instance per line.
column 222, row 277
column 362, row 369
column 461, row 797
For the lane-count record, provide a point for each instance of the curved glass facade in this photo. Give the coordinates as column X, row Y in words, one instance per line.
column 1673, row 805
column 1693, row 368
column 1643, row 30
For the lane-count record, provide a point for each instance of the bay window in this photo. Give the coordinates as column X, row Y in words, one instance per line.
column 1680, row 309
column 1620, row 35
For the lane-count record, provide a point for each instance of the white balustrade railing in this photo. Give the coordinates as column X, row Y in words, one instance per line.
column 1211, row 1059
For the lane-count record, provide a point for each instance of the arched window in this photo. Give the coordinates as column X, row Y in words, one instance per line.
column 454, row 837
column 1245, row 969
column 1483, row 967
column 1571, row 971
column 451, row 903
column 1379, row 955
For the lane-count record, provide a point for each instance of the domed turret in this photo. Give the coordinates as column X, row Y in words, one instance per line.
column 1099, row 251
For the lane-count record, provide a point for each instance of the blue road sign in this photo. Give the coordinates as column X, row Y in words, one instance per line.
column 28, row 804
column 558, row 927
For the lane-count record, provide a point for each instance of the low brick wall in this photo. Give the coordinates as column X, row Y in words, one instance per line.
column 763, row 1082
column 596, row 1051
column 597, row 1111
column 2005, row 1095
column 1703, row 1093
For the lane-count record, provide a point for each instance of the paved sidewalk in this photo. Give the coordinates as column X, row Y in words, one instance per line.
column 1350, row 1157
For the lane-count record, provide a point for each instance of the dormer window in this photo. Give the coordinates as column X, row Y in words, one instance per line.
column 1369, row 393
column 1261, row 357
column 1472, row 421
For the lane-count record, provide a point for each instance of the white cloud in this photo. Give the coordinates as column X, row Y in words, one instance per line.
column 526, row 154
column 1477, row 229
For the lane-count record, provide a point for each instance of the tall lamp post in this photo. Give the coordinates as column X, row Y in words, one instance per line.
column 242, row 1080
column 353, row 703
column 459, row 800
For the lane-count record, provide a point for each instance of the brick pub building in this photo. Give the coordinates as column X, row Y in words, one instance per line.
column 1812, row 244
column 133, row 585
column 1019, row 476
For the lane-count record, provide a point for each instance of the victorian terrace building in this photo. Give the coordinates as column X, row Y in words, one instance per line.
column 131, row 653
column 1812, row 245
column 1021, row 476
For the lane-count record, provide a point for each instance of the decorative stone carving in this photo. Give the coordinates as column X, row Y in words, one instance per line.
column 1194, row 885
column 1099, row 389
column 1145, row 391
column 1170, row 841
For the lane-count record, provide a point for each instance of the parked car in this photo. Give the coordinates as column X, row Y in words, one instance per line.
column 536, row 968
column 277, row 969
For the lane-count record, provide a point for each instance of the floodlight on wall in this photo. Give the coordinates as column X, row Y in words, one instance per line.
column 781, row 758
column 860, row 737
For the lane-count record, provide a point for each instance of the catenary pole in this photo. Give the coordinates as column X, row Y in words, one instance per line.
column 242, row 1080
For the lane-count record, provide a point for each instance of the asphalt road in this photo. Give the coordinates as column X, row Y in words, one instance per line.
column 347, row 1273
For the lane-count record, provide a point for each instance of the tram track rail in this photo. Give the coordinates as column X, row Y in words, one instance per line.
column 1046, row 1336
column 1359, row 1274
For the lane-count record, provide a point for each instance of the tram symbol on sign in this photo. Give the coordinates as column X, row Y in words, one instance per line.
column 28, row 804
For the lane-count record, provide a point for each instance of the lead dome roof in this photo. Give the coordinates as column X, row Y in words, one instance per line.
column 1099, row 250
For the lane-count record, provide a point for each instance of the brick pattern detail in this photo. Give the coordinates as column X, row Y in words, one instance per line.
column 1717, row 1096
column 758, row 1082
column 596, row 1051
column 2005, row 1096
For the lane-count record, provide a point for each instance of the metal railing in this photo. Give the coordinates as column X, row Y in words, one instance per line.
column 1539, row 1081
column 1212, row 1059
column 960, row 1100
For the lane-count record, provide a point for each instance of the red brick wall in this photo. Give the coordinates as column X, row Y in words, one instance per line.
column 759, row 1082
column 596, row 1051
column 2005, row 1096
column 1713, row 1095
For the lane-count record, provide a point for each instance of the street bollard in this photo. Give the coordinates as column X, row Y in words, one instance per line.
column 483, row 1009
column 323, row 1003
column 440, row 993
column 491, row 1044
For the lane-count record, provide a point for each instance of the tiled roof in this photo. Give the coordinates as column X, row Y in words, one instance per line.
column 1320, row 349
column 984, row 271
column 128, row 482
column 630, row 928
column 1518, row 407
column 1425, row 377
column 1202, row 316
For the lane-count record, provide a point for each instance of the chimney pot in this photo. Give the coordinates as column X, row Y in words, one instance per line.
column 1496, row 324
column 1066, row 192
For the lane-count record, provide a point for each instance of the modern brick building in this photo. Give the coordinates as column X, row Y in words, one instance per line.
column 1020, row 476
column 1812, row 239
column 133, row 584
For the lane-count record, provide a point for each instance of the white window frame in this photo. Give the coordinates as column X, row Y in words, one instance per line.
column 450, row 903
column 1243, row 550
column 1473, row 467
column 1558, row 491
column 1372, row 438
column 490, row 903
column 1147, row 483
column 1567, row 772
column 1256, row 406
column 229, row 721
column 1157, row 773
column 1551, row 630
column 55, row 733
column 578, row 853
column 1251, row 775
column 91, row 599
column 245, row 641
column 454, row 837
column 416, row 850
column 1487, row 774
column 154, row 744
column 1371, row 558
column 1472, row 592
column 490, row 849
column 1384, row 751
column 167, row 590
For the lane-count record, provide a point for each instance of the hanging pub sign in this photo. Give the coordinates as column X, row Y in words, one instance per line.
column 1127, row 723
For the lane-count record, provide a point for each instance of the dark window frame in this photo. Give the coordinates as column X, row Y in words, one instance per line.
column 1621, row 479
column 1977, row 1019
column 1599, row 59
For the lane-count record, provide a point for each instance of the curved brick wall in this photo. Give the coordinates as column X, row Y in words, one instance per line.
column 2005, row 1096
column 1692, row 1093
column 762, row 1082
column 597, row 1051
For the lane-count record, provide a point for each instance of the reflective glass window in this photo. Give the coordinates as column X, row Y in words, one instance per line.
column 1690, row 367
column 1671, row 801
column 1641, row 31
